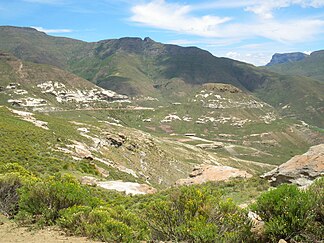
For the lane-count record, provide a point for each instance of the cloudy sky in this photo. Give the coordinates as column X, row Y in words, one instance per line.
column 247, row 30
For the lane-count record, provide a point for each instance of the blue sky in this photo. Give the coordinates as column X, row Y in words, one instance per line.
column 247, row 30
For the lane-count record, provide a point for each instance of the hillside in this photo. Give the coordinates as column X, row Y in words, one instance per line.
column 137, row 67
column 44, row 87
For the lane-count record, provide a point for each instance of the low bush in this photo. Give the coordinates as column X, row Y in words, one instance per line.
column 291, row 214
column 104, row 223
column 12, row 177
column 196, row 215
column 41, row 201
column 9, row 197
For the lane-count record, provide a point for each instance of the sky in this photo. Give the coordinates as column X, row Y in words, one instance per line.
column 246, row 30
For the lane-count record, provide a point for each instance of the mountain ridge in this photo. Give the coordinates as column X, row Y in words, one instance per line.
column 143, row 67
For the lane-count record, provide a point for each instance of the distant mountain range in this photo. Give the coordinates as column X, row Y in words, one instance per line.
column 309, row 66
column 168, row 73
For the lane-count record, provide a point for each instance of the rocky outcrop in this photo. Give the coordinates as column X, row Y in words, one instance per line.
column 28, row 116
column 214, row 145
column 83, row 152
column 221, row 87
column 257, row 224
column 115, row 140
column 121, row 186
column 286, row 57
column 205, row 173
column 301, row 169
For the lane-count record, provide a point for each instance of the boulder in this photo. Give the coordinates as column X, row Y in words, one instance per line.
column 205, row 173
column 89, row 180
column 300, row 170
column 82, row 152
column 257, row 224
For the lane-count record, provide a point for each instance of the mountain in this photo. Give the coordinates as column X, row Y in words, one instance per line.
column 167, row 73
column 286, row 58
column 312, row 66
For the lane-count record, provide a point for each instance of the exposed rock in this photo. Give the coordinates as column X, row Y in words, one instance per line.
column 88, row 180
column 28, row 116
column 278, row 58
column 104, row 173
column 205, row 173
column 116, row 140
column 121, row 186
column 221, row 87
column 270, row 142
column 147, row 120
column 127, row 187
column 63, row 94
column 83, row 152
column 12, row 86
column 301, row 169
column 214, row 145
column 170, row 118
column 282, row 241
column 257, row 224
column 28, row 102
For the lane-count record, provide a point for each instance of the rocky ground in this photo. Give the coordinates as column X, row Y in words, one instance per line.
column 11, row 233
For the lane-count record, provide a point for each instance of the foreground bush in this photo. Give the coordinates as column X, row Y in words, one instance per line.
column 104, row 223
column 12, row 177
column 41, row 201
column 195, row 215
column 9, row 197
column 292, row 214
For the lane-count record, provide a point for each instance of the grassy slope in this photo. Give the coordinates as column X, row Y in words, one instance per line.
column 302, row 95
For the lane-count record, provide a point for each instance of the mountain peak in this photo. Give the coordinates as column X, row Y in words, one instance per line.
column 279, row 58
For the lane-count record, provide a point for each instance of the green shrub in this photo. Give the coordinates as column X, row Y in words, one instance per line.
column 104, row 223
column 12, row 177
column 8, row 194
column 316, row 229
column 194, row 214
column 14, row 167
column 288, row 213
column 42, row 200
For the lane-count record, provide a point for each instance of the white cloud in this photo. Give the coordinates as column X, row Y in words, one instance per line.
column 223, row 35
column 175, row 17
column 265, row 9
column 51, row 31
column 179, row 18
column 256, row 58
column 288, row 31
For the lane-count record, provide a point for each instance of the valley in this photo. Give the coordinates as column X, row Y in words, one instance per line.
column 128, row 124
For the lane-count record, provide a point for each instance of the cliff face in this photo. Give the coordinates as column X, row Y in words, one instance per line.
column 286, row 58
